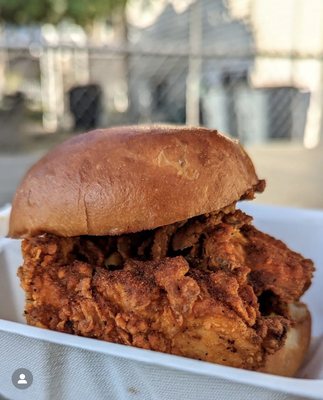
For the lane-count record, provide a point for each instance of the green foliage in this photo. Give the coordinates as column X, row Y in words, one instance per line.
column 82, row 12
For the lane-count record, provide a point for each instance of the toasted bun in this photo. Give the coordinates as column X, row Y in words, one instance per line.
column 289, row 358
column 128, row 179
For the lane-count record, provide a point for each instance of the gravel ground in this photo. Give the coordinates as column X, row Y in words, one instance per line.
column 294, row 175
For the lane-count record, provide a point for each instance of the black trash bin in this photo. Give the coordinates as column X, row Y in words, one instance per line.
column 85, row 105
column 12, row 122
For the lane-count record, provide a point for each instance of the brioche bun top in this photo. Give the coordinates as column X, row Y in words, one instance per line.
column 129, row 179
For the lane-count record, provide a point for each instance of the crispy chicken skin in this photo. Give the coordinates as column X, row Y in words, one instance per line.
column 212, row 288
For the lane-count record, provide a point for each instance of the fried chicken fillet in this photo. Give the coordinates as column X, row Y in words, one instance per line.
column 212, row 288
column 131, row 235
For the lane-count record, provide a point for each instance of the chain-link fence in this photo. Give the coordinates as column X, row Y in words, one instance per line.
column 200, row 66
column 47, row 92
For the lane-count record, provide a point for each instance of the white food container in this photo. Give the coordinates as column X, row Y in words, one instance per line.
column 4, row 219
column 70, row 367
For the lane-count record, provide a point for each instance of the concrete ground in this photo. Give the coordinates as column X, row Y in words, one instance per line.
column 294, row 175
column 12, row 169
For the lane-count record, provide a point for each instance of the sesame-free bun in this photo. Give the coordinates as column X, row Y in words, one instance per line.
column 289, row 358
column 128, row 179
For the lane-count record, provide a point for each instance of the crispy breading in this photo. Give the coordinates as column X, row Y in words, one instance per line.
column 194, row 288
column 289, row 279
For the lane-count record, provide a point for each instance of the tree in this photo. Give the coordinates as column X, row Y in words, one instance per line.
column 82, row 12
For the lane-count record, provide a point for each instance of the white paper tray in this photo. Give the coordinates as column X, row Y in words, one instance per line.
column 70, row 367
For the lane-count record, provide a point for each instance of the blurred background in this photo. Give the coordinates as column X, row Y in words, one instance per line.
column 251, row 68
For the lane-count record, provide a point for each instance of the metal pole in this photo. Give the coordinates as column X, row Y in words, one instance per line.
column 314, row 124
column 194, row 65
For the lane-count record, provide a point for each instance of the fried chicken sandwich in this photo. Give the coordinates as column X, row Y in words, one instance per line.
column 131, row 235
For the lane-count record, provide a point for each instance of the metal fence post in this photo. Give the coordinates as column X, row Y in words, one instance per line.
column 194, row 65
